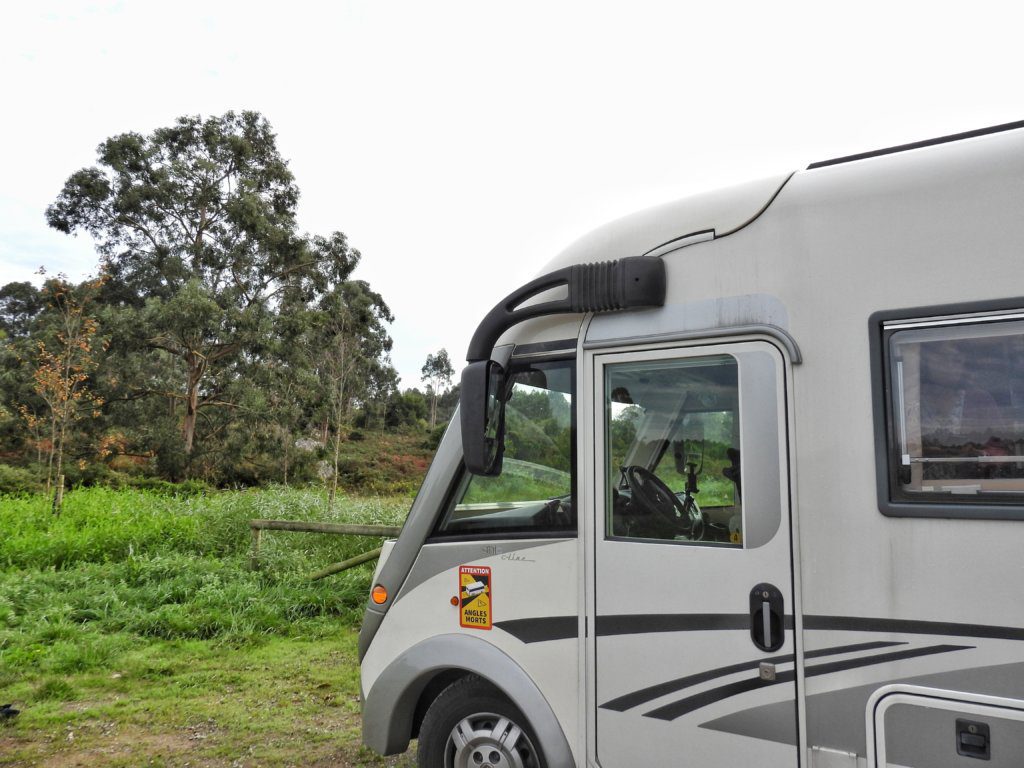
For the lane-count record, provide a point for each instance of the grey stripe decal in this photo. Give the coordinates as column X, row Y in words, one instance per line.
column 691, row 703
column 836, row 717
column 644, row 695
column 912, row 627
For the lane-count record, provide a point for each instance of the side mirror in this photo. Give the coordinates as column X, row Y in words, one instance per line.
column 482, row 409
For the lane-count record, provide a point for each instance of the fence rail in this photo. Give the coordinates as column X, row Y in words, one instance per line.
column 346, row 529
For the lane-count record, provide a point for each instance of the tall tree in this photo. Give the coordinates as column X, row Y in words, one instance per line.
column 196, row 226
column 20, row 304
column 62, row 367
column 351, row 346
column 437, row 373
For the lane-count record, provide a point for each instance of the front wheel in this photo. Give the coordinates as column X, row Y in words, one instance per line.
column 472, row 725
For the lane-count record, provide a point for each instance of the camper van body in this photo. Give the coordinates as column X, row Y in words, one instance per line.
column 854, row 594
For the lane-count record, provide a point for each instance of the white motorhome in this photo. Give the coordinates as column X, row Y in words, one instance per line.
column 739, row 480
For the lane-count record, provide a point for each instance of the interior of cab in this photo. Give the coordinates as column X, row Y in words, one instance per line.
column 672, row 450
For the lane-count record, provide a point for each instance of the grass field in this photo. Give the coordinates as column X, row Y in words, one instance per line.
column 133, row 632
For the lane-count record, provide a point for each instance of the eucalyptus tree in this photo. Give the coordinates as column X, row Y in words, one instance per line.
column 437, row 372
column 195, row 224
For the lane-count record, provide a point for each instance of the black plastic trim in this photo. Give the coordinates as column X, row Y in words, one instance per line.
column 544, row 347
column 918, row 144
column 504, row 535
column 634, row 282
column 880, row 412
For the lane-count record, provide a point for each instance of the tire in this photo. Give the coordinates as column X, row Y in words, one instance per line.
column 471, row 724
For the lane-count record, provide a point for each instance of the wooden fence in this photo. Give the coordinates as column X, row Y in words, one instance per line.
column 258, row 526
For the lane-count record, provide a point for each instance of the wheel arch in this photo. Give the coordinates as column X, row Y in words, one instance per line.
column 395, row 705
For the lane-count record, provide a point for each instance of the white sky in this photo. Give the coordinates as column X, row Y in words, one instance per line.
column 460, row 145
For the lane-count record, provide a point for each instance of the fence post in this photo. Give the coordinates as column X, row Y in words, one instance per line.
column 254, row 552
column 58, row 497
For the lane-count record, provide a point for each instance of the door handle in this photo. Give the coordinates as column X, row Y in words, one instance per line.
column 767, row 611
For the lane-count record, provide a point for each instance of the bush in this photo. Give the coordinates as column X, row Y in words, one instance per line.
column 16, row 481
column 434, row 438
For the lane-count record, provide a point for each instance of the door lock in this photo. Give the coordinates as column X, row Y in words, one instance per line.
column 766, row 617
column 973, row 739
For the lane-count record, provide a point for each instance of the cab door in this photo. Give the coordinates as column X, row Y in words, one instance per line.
column 689, row 587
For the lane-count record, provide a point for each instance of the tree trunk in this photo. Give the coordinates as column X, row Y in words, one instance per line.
column 287, row 449
column 334, row 477
column 53, row 448
column 196, row 367
column 58, row 497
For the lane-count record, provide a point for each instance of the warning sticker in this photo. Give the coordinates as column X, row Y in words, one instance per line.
column 475, row 596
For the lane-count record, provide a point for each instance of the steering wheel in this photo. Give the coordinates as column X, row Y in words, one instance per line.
column 652, row 494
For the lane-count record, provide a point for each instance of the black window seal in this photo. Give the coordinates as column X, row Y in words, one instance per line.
column 881, row 394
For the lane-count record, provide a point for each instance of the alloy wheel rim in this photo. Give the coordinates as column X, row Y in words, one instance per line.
column 488, row 740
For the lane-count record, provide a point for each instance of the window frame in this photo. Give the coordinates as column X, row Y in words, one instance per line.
column 972, row 314
column 458, row 487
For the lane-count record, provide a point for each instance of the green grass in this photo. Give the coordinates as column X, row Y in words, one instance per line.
column 137, row 614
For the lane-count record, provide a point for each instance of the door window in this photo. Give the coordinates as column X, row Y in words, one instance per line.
column 673, row 451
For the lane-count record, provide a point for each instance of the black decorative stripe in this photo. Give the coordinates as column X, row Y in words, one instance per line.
column 541, row 629
column 644, row 695
column 691, row 703
column 911, row 627
column 918, row 144
column 644, row 623
column 546, row 628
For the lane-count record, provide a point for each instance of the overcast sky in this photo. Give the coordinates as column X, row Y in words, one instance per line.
column 460, row 145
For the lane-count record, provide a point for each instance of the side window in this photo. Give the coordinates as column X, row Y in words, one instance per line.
column 955, row 413
column 534, row 494
column 672, row 453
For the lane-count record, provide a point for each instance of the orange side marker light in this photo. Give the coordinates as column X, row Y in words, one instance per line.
column 379, row 595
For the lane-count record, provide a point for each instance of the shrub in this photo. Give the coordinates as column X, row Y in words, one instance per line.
column 16, row 481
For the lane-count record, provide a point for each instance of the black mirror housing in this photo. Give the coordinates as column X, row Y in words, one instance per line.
column 482, row 414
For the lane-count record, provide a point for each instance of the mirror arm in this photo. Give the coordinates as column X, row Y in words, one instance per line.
column 608, row 286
